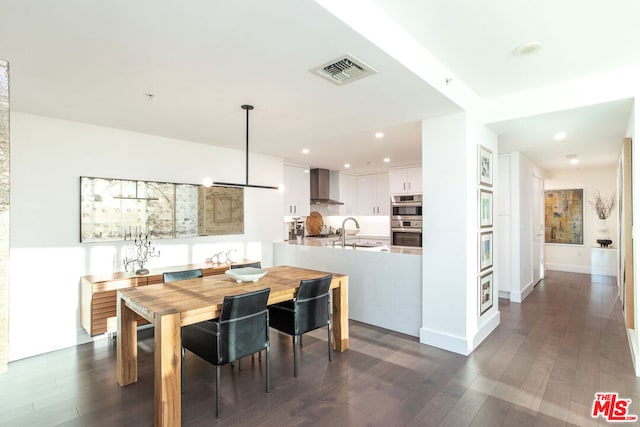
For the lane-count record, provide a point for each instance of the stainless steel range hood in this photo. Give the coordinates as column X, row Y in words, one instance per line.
column 321, row 188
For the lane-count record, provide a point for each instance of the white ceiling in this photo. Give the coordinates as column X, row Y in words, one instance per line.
column 475, row 39
column 93, row 61
column 602, row 125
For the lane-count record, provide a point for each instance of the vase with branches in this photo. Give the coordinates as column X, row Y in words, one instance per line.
column 604, row 208
column 603, row 205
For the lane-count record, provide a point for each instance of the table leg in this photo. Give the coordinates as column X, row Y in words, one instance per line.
column 127, row 344
column 340, row 318
column 168, row 360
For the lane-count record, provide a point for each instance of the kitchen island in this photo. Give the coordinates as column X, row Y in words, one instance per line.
column 385, row 284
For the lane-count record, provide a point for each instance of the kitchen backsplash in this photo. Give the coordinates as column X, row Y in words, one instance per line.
column 369, row 225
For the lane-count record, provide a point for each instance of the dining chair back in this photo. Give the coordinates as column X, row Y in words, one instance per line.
column 310, row 310
column 241, row 330
column 174, row 276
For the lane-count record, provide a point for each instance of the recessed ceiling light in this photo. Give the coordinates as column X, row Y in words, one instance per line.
column 379, row 135
column 573, row 159
column 386, row 160
column 305, row 151
column 527, row 49
column 347, row 165
column 560, row 136
column 149, row 96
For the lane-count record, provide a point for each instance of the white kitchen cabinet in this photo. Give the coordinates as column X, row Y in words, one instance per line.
column 382, row 194
column 296, row 191
column 405, row 181
column 373, row 194
column 348, row 190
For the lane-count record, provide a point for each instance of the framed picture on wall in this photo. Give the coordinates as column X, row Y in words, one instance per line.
column 485, row 290
column 486, row 208
column 564, row 216
column 485, row 166
column 486, row 250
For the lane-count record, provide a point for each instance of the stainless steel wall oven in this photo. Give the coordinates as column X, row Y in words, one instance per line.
column 406, row 221
column 407, row 207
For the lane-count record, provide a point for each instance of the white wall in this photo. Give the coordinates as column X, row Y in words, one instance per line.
column 515, row 225
column 47, row 260
column 450, row 296
column 444, row 253
column 479, row 327
column 503, row 214
column 577, row 258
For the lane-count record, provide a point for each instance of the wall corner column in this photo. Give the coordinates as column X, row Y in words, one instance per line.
column 453, row 317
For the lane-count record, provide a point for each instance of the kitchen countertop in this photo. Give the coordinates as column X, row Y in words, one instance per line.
column 327, row 242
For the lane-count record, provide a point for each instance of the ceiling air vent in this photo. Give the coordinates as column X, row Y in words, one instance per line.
column 344, row 70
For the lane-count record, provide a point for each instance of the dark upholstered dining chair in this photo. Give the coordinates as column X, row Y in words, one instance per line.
column 257, row 264
column 242, row 329
column 174, row 276
column 311, row 309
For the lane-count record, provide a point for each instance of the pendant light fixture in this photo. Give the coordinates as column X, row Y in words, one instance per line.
column 247, row 108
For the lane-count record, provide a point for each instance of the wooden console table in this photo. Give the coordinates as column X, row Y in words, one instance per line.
column 98, row 293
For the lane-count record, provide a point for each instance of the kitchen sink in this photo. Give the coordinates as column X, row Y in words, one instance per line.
column 358, row 245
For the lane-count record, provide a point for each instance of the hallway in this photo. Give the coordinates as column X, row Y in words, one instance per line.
column 541, row 366
column 555, row 351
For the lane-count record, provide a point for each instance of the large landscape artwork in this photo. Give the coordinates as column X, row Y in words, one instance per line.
column 114, row 209
column 564, row 216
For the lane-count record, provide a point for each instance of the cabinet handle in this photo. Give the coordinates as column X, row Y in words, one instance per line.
column 409, row 184
column 295, row 209
column 404, row 186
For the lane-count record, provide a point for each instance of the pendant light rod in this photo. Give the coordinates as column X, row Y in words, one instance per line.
column 247, row 108
column 233, row 184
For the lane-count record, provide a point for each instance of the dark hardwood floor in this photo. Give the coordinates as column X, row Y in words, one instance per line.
column 541, row 366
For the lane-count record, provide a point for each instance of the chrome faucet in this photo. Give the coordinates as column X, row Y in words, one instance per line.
column 344, row 230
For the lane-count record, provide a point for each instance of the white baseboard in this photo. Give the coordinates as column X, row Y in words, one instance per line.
column 515, row 296
column 445, row 341
column 490, row 324
column 457, row 344
column 520, row 296
column 568, row 268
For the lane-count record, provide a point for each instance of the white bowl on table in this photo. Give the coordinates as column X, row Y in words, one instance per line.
column 246, row 274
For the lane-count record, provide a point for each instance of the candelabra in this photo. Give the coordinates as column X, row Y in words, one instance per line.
column 139, row 252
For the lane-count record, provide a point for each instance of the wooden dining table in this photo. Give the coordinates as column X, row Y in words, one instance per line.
column 169, row 306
